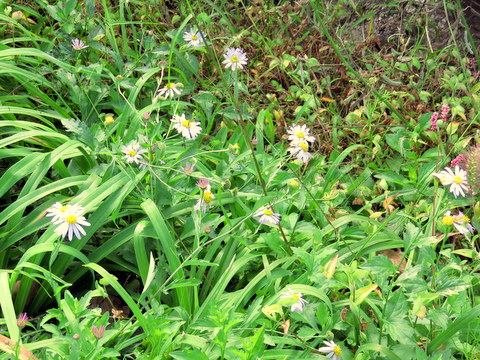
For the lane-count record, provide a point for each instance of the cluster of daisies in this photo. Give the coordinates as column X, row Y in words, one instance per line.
column 69, row 220
column 297, row 303
column 457, row 179
column 300, row 142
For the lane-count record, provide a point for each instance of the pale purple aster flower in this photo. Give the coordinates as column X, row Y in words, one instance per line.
column 298, row 134
column 267, row 216
column 193, row 38
column 300, row 302
column 456, row 179
column 98, row 332
column 133, row 154
column 202, row 183
column 300, row 151
column 78, row 45
column 205, row 201
column 188, row 168
column 332, row 350
column 235, row 58
column 188, row 129
column 71, row 225
column 169, row 90
column 58, row 212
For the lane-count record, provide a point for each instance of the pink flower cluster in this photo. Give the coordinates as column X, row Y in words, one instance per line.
column 444, row 110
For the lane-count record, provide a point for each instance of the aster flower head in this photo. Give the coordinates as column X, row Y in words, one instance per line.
column 298, row 134
column 133, row 154
column 203, row 183
column 300, row 151
column 267, row 216
column 332, row 350
column 71, row 225
column 98, row 331
column 193, row 38
column 456, row 179
column 170, row 90
column 22, row 320
column 188, row 168
column 187, row 128
column 235, row 58
column 78, row 45
column 297, row 298
column 59, row 212
column 205, row 201
column 460, row 221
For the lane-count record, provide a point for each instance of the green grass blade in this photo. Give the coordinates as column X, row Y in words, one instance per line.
column 8, row 310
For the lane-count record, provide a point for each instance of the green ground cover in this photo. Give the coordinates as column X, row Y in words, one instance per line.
column 234, row 180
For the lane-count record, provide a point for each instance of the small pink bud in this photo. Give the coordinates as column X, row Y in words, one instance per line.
column 98, row 332
column 202, row 183
column 22, row 320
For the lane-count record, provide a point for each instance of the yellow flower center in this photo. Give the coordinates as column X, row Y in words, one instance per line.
column 194, row 37
column 337, row 350
column 234, row 59
column 296, row 297
column 447, row 220
column 71, row 219
column 132, row 153
column 268, row 212
column 300, row 134
column 109, row 119
column 207, row 197
column 63, row 208
column 170, row 86
column 293, row 183
column 457, row 179
column 186, row 123
column 304, row 146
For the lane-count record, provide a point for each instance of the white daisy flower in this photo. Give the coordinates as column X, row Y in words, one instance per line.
column 299, row 133
column 194, row 38
column 332, row 350
column 300, row 151
column 457, row 179
column 267, row 216
column 299, row 303
column 205, row 201
column 71, row 225
column 235, row 58
column 169, row 90
column 59, row 212
column 188, row 129
column 460, row 221
column 133, row 154
column 78, row 45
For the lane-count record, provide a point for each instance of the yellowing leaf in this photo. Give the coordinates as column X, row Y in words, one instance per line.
column 330, row 267
column 326, row 99
column 362, row 294
column 99, row 37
